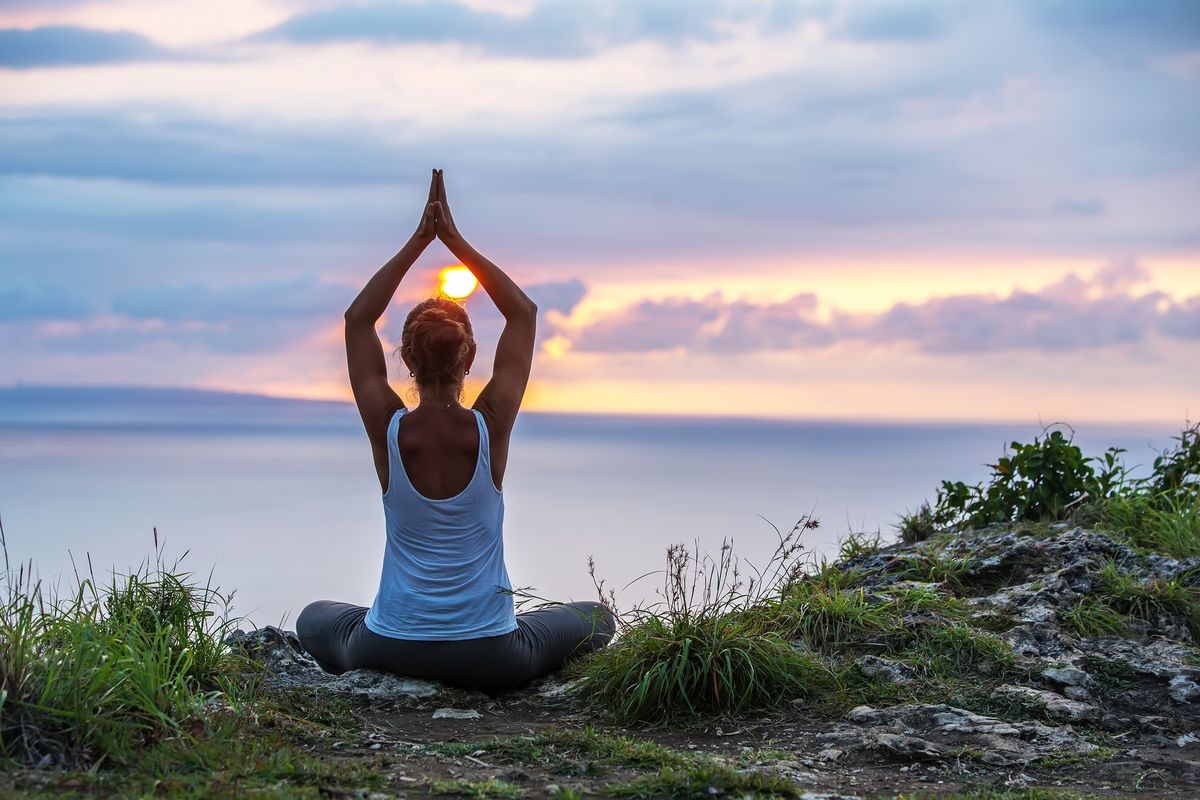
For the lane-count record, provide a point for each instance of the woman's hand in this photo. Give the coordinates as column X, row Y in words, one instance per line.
column 427, row 228
column 447, row 231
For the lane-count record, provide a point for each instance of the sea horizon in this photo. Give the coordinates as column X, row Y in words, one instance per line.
column 278, row 496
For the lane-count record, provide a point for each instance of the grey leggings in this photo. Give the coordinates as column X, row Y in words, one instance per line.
column 544, row 640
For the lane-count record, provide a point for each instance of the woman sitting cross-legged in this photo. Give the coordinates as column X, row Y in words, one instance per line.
column 444, row 609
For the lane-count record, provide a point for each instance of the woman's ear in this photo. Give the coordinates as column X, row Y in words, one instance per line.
column 470, row 357
column 404, row 358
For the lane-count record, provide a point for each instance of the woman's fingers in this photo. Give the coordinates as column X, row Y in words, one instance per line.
column 441, row 185
column 433, row 186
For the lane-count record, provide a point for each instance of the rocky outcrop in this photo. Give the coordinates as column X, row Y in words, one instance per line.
column 1036, row 582
column 935, row 732
column 1060, row 689
column 287, row 665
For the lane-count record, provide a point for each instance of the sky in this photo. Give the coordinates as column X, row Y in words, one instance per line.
column 914, row 210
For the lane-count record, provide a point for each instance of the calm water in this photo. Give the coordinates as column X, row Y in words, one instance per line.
column 280, row 501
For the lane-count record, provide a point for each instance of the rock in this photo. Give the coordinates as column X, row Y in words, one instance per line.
column 1052, row 703
column 379, row 686
column 885, row 670
column 280, row 652
column 1067, row 676
column 553, row 691
column 456, row 713
column 1077, row 693
column 910, row 731
column 288, row 665
column 1182, row 689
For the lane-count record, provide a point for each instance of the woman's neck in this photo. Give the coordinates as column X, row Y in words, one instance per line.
column 440, row 397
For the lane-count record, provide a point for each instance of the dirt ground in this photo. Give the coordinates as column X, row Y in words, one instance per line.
column 396, row 743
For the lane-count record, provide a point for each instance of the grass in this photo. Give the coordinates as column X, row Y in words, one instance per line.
column 826, row 616
column 1091, row 616
column 709, row 647
column 100, row 672
column 666, row 670
column 1165, row 522
column 703, row 780
column 558, row 746
column 797, row 638
column 465, row 788
column 231, row 756
column 1152, row 601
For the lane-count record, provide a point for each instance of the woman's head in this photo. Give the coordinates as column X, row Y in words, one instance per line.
column 437, row 343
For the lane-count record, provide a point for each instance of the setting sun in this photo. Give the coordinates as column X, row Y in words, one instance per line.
column 457, row 283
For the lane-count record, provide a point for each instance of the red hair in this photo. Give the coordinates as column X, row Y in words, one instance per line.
column 436, row 340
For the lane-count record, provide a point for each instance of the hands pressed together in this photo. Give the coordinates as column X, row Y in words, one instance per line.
column 436, row 222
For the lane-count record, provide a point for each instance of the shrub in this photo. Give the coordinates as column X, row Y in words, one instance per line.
column 1040, row 481
column 1050, row 479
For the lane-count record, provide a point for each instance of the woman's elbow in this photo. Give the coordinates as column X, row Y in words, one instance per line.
column 352, row 315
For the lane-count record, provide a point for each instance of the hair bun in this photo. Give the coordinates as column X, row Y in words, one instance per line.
column 437, row 339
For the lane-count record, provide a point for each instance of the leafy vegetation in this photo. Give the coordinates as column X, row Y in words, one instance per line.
column 1050, row 479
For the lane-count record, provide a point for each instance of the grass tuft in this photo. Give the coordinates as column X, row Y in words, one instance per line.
column 104, row 671
column 708, row 647
column 704, row 780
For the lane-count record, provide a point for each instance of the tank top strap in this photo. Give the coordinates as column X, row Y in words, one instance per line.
column 485, row 445
column 393, row 446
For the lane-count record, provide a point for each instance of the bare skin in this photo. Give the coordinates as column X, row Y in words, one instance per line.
column 439, row 440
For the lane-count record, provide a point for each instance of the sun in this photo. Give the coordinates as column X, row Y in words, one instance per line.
column 457, row 283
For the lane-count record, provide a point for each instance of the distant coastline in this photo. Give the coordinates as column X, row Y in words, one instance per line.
column 133, row 408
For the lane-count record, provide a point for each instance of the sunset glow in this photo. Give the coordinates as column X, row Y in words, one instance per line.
column 457, row 283
column 717, row 207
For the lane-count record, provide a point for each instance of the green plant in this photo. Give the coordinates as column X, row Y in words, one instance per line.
column 919, row 525
column 826, row 616
column 1039, row 481
column 481, row 789
column 105, row 670
column 704, row 780
column 1154, row 601
column 857, row 545
column 708, row 647
column 1050, row 479
column 1090, row 616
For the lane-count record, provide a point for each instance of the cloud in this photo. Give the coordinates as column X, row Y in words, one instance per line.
column 1122, row 22
column 299, row 298
column 25, row 301
column 248, row 318
column 1182, row 320
column 169, row 145
column 71, row 45
column 894, row 22
column 550, row 29
column 1073, row 314
column 650, row 325
column 560, row 296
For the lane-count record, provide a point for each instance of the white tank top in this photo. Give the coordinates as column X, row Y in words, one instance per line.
column 443, row 564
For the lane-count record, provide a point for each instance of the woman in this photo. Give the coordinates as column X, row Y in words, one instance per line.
column 444, row 609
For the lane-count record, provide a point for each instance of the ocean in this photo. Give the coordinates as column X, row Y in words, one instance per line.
column 277, row 500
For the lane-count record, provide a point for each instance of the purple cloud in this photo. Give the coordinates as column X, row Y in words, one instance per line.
column 1105, row 310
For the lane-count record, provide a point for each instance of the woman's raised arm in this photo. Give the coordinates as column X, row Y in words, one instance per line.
column 501, row 398
column 364, row 352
